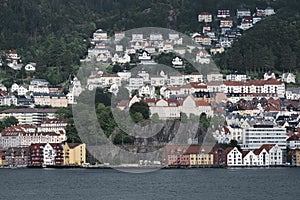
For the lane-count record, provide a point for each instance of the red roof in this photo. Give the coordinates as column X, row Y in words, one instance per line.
column 293, row 137
column 205, row 13
column 267, row 147
column 202, row 103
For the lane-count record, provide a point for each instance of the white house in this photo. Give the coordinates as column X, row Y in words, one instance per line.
column 177, row 62
column 205, row 17
column 223, row 13
column 30, row 67
column 288, row 78
column 250, row 158
column 269, row 75
column 234, row 157
column 147, row 91
column 158, row 80
column 240, row 13
column 212, row 77
column 236, row 77
column 135, row 82
column 48, row 155
column 176, row 80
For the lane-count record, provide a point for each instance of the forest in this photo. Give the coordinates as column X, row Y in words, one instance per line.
column 55, row 34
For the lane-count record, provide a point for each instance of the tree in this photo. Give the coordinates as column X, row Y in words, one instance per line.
column 139, row 107
column 9, row 121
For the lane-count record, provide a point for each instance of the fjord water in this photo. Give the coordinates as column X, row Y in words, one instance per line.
column 106, row 184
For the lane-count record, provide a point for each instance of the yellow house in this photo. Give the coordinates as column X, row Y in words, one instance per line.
column 74, row 154
column 2, row 158
column 200, row 156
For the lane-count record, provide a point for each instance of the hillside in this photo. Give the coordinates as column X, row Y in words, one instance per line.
column 272, row 45
column 55, row 34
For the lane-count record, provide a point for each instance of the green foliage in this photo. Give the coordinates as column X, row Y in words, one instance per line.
column 139, row 111
column 7, row 122
column 273, row 44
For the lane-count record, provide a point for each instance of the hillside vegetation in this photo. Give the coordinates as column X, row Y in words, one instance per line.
column 55, row 34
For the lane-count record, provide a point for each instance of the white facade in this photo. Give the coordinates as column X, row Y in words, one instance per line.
column 234, row 158
column 48, row 155
column 254, row 137
column 250, row 159
column 236, row 77
column 214, row 77
column 205, row 17
column 176, row 80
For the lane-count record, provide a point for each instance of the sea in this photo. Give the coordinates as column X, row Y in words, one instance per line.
column 106, row 184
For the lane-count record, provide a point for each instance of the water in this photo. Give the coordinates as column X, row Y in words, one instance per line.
column 106, row 184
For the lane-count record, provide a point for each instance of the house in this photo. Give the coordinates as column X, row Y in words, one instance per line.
column 292, row 93
column 190, row 105
column 215, row 50
column 205, row 17
column 158, row 80
column 218, row 157
column 165, row 108
column 173, row 36
column 245, row 25
column 236, row 77
column 106, row 80
column 293, row 142
column 46, row 154
column 137, row 37
column 203, row 57
column 99, row 36
column 250, row 158
column 293, row 157
column 2, row 158
column 214, row 77
column 288, row 78
column 2, row 87
column 167, row 46
column 269, row 75
column 223, row 13
column 8, row 100
column 206, row 29
column 135, row 82
column 119, row 36
column 41, row 99
column 202, row 39
column 144, row 56
column 240, row 13
column 58, row 100
column 177, row 62
column 119, row 48
column 176, row 156
column 52, row 125
column 39, row 82
column 156, row 37
column 176, row 80
column 17, row 156
column 194, row 77
column 30, row 67
column 147, row 91
column 200, row 156
column 269, row 11
column 226, row 23
column 233, row 157
column 74, row 153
